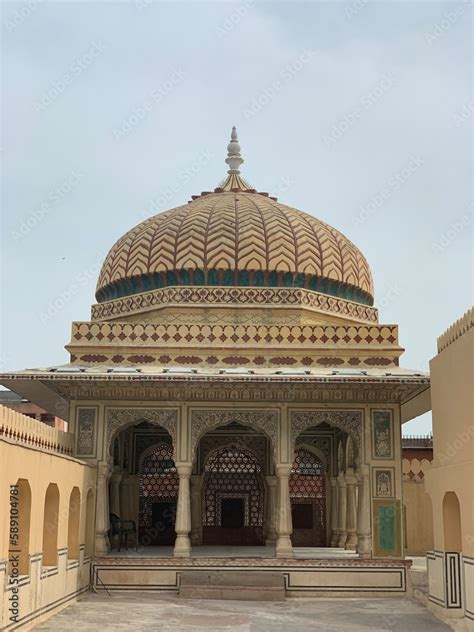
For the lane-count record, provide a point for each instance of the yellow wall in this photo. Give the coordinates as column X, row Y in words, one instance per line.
column 41, row 589
column 418, row 507
column 450, row 482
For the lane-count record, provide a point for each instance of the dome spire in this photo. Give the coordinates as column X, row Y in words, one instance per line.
column 234, row 159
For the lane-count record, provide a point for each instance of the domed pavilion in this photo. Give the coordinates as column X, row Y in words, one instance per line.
column 234, row 388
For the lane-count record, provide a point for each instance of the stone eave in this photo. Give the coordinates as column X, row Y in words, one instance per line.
column 57, row 389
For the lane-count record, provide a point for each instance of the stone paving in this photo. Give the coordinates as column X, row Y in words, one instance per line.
column 138, row 612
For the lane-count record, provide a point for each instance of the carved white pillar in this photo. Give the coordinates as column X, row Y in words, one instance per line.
column 334, row 512
column 284, row 527
column 196, row 518
column 114, row 487
column 271, row 513
column 102, row 508
column 351, row 517
column 364, row 536
column 342, row 497
column 182, row 546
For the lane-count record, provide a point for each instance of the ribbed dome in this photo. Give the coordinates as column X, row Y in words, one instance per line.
column 235, row 237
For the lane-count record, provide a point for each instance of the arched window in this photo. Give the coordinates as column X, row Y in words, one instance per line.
column 233, row 474
column 20, row 508
column 159, row 484
column 89, row 535
column 73, row 524
column 50, row 526
column 452, row 523
column 307, row 486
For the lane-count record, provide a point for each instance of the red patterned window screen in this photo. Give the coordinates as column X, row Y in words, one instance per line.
column 307, row 476
column 232, row 472
column 308, row 499
column 158, row 479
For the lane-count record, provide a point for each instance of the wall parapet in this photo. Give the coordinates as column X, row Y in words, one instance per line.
column 22, row 429
column 415, row 469
column 456, row 330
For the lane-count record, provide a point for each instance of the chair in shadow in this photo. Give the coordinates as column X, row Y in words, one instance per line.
column 121, row 529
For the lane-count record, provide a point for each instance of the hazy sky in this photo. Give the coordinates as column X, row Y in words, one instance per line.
column 359, row 113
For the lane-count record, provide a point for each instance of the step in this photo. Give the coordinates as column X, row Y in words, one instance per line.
column 240, row 585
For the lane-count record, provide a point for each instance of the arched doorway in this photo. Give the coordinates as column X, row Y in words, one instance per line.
column 158, row 495
column 233, row 497
column 308, row 499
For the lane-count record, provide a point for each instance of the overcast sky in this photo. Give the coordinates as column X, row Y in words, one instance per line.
column 359, row 113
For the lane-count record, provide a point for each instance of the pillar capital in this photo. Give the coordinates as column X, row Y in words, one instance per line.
column 184, row 469
column 341, row 479
column 272, row 481
column 283, row 469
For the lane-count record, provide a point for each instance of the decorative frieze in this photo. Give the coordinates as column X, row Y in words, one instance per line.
column 232, row 296
column 265, row 389
column 123, row 334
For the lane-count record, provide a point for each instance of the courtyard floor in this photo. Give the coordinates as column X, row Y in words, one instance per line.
column 124, row 611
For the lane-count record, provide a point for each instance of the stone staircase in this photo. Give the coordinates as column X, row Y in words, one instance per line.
column 241, row 585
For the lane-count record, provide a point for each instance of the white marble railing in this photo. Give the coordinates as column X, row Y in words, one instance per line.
column 17, row 427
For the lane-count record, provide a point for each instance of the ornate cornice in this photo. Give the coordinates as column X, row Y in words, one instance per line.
column 265, row 390
column 239, row 297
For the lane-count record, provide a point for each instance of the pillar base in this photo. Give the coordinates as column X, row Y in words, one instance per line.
column 284, row 548
column 182, row 546
column 334, row 539
column 341, row 542
column 102, row 546
column 351, row 542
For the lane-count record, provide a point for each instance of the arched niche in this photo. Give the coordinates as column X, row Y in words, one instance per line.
column 117, row 419
column 89, row 534
column 452, row 523
column 350, row 421
column 266, row 421
column 50, row 526
column 73, row 524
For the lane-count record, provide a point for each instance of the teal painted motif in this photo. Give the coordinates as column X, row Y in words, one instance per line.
column 243, row 278
column 386, row 517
